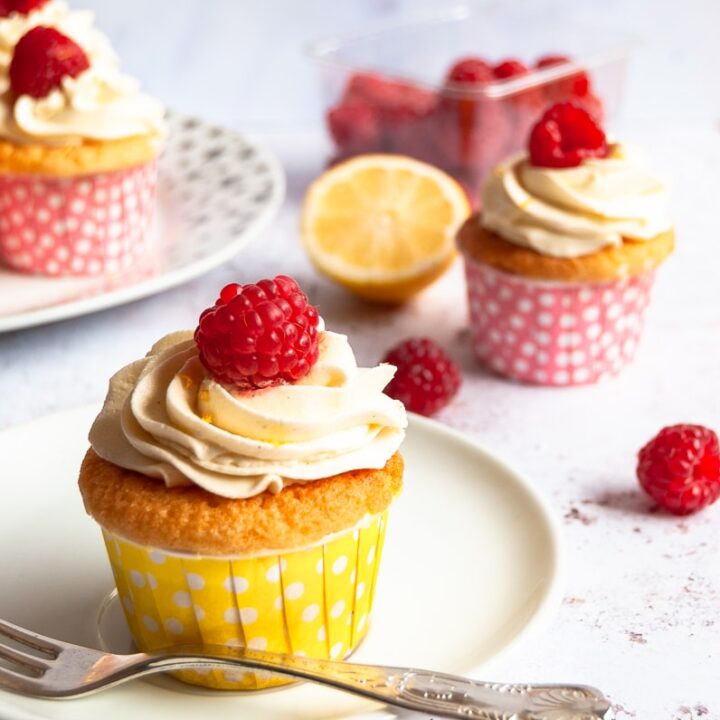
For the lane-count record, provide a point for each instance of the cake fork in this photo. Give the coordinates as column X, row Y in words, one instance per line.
column 42, row 667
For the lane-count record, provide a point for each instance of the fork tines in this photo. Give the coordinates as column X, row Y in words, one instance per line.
column 29, row 663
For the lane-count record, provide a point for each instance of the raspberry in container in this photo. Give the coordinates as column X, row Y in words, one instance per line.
column 457, row 90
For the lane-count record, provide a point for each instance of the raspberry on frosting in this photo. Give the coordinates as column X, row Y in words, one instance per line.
column 259, row 335
column 564, row 136
column 21, row 7
column 42, row 58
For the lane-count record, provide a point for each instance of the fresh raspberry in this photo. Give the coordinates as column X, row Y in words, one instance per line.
column 406, row 102
column 415, row 138
column 22, row 7
column 354, row 127
column 509, row 69
column 259, row 335
column 471, row 133
column 680, row 468
column 594, row 105
column 42, row 58
column 366, row 87
column 370, row 89
column 551, row 60
column 470, row 71
column 564, row 136
column 401, row 108
column 387, row 94
column 426, row 378
column 405, row 114
column 572, row 87
column 470, row 128
column 522, row 106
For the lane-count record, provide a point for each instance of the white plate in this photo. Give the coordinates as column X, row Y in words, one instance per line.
column 471, row 566
column 216, row 191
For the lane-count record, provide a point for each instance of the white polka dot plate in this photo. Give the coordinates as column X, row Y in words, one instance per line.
column 216, row 191
column 471, row 568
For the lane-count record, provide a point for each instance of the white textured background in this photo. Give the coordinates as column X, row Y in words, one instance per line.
column 640, row 614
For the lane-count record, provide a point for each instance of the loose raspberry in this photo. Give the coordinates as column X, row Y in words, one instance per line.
column 509, row 69
column 470, row 71
column 572, row 87
column 42, row 58
column 426, row 378
column 564, row 136
column 259, row 335
column 21, row 7
column 680, row 468
column 354, row 126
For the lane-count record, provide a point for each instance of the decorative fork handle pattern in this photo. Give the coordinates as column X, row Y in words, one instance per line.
column 436, row 694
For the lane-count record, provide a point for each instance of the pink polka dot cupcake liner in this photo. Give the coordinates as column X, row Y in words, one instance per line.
column 315, row 601
column 88, row 225
column 554, row 333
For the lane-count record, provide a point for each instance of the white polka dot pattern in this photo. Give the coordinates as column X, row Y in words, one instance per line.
column 315, row 601
column 554, row 333
column 90, row 225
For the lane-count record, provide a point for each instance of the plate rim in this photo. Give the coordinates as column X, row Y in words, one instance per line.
column 548, row 604
column 553, row 594
column 166, row 281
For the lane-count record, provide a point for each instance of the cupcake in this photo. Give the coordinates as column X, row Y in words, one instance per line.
column 78, row 147
column 562, row 257
column 242, row 479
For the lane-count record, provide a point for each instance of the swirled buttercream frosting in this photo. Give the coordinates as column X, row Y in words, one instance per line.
column 164, row 416
column 576, row 211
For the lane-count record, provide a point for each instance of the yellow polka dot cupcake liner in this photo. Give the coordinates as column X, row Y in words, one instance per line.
column 315, row 601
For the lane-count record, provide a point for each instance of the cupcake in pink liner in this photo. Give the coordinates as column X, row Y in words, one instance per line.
column 561, row 259
column 78, row 148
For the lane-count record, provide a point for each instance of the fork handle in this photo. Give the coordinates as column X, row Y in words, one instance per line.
column 447, row 696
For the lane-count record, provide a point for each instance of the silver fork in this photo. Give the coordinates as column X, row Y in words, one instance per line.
column 58, row 669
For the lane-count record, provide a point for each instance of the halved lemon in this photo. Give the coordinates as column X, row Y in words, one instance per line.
column 383, row 225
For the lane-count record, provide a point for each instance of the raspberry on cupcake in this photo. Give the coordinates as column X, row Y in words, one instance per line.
column 259, row 335
column 78, row 144
column 242, row 476
column 561, row 259
column 20, row 7
column 42, row 58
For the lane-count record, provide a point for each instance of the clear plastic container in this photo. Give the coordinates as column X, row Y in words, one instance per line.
column 385, row 90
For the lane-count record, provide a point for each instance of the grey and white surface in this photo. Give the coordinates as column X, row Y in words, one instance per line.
column 639, row 617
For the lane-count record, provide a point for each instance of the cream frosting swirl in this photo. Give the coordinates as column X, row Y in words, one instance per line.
column 99, row 104
column 165, row 417
column 571, row 212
